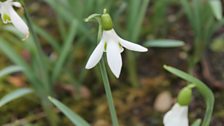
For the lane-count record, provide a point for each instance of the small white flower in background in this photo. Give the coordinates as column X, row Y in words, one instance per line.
column 113, row 45
column 9, row 15
column 177, row 116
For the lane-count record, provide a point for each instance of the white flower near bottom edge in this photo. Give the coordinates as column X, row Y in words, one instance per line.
column 113, row 45
column 177, row 116
column 9, row 15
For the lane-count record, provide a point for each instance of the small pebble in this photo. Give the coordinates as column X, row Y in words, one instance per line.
column 163, row 102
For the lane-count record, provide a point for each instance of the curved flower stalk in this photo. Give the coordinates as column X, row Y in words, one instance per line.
column 204, row 90
column 9, row 15
column 113, row 45
column 177, row 116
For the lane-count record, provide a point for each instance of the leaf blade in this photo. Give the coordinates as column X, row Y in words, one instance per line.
column 164, row 43
column 196, row 122
column 9, row 70
column 216, row 6
column 74, row 118
column 14, row 95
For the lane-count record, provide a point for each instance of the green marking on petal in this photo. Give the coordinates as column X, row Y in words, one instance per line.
column 120, row 45
column 105, row 46
column 6, row 18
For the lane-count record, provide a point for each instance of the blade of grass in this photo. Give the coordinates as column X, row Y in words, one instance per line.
column 69, row 17
column 139, row 20
column 189, row 12
column 137, row 11
column 14, row 95
column 134, row 6
column 216, row 6
column 196, row 7
column 164, row 43
column 159, row 18
column 61, row 26
column 196, row 122
column 75, row 118
column 39, row 54
column 50, row 39
column 65, row 51
column 10, row 70
column 14, row 57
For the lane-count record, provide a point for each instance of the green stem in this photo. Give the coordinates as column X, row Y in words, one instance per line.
column 108, row 93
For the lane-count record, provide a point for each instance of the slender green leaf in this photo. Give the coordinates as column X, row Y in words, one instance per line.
column 137, row 11
column 65, row 51
column 50, row 39
column 10, row 70
column 7, row 49
column 69, row 17
column 202, row 88
column 17, row 59
column 189, row 11
column 14, row 95
column 39, row 54
column 62, row 27
column 139, row 20
column 164, row 43
column 75, row 118
column 196, row 122
column 216, row 6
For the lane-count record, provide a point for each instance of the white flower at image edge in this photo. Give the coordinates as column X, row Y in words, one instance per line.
column 9, row 15
column 113, row 45
column 177, row 116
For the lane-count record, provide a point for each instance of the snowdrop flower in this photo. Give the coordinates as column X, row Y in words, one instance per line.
column 113, row 45
column 9, row 15
column 177, row 116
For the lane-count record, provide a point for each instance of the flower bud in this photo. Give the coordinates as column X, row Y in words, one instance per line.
column 107, row 23
column 184, row 97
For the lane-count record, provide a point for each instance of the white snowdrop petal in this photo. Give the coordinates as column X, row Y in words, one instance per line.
column 132, row 46
column 16, row 4
column 177, row 116
column 18, row 22
column 96, row 55
column 114, row 58
column 110, row 34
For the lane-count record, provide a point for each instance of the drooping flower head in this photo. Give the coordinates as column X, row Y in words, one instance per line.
column 178, row 115
column 9, row 15
column 113, row 45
